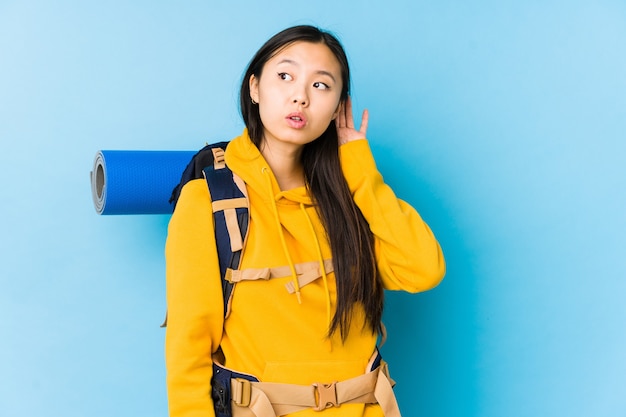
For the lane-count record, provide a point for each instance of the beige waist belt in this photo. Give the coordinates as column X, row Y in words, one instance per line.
column 269, row 399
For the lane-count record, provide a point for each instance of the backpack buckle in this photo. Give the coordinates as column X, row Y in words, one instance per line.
column 325, row 395
column 241, row 392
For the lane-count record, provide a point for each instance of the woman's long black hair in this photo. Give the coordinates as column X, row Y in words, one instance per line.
column 348, row 232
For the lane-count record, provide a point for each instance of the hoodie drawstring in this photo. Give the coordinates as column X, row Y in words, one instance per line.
column 294, row 275
column 292, row 268
column 321, row 262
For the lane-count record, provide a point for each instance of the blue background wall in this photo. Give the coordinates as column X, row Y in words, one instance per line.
column 502, row 122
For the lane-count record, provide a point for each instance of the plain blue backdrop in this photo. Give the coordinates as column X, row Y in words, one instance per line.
column 502, row 122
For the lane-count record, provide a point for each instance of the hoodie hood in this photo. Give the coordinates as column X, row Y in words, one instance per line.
column 244, row 158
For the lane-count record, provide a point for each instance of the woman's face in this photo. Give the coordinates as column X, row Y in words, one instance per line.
column 298, row 94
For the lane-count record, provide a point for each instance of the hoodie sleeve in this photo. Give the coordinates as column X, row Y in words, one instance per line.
column 408, row 255
column 194, row 302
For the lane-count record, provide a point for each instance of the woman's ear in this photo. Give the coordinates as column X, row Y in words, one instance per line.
column 339, row 108
column 254, row 88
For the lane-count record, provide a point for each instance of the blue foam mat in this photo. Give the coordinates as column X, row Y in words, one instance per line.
column 136, row 182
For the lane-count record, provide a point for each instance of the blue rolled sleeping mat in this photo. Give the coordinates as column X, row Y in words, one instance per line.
column 136, row 182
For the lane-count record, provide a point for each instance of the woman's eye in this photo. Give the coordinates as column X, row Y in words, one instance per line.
column 321, row 86
column 285, row 76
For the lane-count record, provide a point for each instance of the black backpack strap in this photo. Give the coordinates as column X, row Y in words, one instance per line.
column 231, row 218
column 230, row 209
column 202, row 159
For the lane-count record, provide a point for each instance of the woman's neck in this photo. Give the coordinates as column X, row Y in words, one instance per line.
column 285, row 163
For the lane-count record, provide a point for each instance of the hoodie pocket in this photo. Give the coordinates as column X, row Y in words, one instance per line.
column 305, row 373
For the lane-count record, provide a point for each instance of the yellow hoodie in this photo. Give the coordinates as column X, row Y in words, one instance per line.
column 269, row 333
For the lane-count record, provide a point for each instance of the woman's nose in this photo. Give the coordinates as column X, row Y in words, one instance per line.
column 300, row 96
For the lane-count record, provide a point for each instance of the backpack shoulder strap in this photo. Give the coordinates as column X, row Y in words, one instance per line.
column 194, row 170
column 230, row 209
column 230, row 217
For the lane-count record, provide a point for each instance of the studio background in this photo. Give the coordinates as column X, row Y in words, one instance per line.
column 502, row 122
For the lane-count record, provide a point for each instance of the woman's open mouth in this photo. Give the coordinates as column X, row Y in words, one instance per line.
column 296, row 120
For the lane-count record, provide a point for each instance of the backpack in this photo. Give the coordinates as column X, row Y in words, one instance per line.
column 230, row 208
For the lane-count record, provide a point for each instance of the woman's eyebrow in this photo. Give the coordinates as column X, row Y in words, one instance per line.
column 287, row 61
column 320, row 72
column 327, row 73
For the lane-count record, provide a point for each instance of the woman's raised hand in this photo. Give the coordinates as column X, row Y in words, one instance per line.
column 346, row 131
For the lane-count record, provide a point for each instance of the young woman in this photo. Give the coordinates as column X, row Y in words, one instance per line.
column 326, row 235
